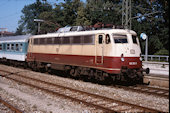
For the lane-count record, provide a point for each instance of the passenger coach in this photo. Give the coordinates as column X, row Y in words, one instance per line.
column 14, row 48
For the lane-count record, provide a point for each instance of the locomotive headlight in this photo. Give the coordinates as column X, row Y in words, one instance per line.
column 122, row 58
column 140, row 57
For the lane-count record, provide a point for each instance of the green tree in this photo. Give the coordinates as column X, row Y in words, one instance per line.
column 31, row 12
column 69, row 11
column 49, row 23
column 20, row 30
column 105, row 11
column 75, row 12
column 153, row 25
column 82, row 18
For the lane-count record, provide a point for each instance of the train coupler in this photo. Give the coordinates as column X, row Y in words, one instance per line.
column 147, row 70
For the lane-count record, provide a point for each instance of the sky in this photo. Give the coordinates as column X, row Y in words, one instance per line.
column 10, row 12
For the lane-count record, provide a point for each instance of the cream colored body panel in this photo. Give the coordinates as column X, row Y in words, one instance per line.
column 110, row 50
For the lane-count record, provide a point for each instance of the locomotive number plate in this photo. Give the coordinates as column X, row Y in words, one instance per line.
column 132, row 63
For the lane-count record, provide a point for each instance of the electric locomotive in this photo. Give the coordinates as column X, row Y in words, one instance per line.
column 99, row 54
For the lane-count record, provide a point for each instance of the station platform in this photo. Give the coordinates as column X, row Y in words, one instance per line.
column 159, row 73
column 157, row 68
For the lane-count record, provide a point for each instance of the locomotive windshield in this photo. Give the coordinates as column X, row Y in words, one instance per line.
column 118, row 38
column 134, row 39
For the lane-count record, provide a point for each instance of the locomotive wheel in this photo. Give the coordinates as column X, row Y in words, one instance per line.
column 113, row 78
column 75, row 72
column 72, row 72
column 25, row 65
column 46, row 69
column 34, row 66
column 99, row 76
column 118, row 77
column 91, row 75
column 108, row 79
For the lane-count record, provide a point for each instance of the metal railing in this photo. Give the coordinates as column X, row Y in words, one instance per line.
column 160, row 58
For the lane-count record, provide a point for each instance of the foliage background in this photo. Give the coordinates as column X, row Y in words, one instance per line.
column 76, row 12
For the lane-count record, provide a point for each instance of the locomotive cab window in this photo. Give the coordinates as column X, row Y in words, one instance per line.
column 118, row 38
column 107, row 39
column 100, row 39
column 134, row 39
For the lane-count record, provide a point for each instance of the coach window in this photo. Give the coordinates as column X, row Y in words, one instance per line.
column 8, row 47
column 118, row 38
column 17, row 47
column 100, row 38
column 57, row 40
column 76, row 40
column 12, row 47
column 107, row 38
column 88, row 39
column 66, row 40
column 20, row 47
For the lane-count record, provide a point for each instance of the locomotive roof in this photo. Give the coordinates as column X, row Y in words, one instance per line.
column 19, row 38
column 90, row 32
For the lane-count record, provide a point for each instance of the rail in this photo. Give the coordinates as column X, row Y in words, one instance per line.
column 156, row 58
column 13, row 108
column 109, row 105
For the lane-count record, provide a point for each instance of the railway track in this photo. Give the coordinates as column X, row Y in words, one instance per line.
column 147, row 89
column 13, row 108
column 96, row 101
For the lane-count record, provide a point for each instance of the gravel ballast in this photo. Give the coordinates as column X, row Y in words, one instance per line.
column 31, row 100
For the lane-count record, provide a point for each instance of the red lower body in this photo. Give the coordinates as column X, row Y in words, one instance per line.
column 107, row 64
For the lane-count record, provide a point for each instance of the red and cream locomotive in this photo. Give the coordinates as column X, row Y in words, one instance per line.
column 99, row 54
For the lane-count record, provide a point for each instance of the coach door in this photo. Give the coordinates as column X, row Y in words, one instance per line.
column 100, row 38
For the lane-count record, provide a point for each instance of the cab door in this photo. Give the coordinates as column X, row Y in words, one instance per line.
column 30, row 48
column 100, row 42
